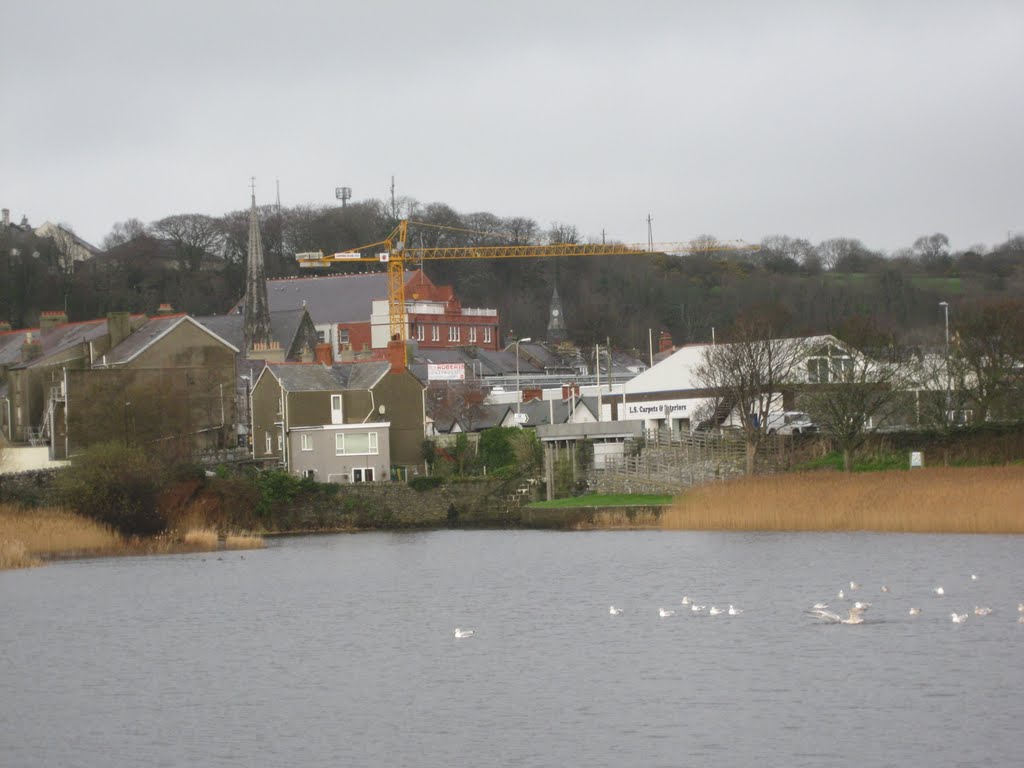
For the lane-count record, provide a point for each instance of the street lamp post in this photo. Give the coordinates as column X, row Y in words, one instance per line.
column 945, row 309
column 519, row 393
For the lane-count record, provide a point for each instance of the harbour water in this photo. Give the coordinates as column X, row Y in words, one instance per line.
column 339, row 651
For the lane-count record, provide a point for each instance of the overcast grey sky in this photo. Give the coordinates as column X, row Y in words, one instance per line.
column 877, row 120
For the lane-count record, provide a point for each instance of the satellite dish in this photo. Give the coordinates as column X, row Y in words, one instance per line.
column 381, row 409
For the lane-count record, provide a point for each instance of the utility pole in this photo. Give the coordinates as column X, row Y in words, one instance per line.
column 650, row 233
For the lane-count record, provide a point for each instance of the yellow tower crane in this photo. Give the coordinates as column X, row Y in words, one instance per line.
column 395, row 252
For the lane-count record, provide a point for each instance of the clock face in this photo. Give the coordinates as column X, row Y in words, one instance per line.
column 554, row 313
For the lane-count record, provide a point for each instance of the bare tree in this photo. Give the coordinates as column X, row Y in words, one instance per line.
column 749, row 374
column 123, row 232
column 850, row 390
column 990, row 345
column 193, row 234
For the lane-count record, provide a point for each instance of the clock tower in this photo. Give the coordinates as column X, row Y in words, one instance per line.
column 556, row 320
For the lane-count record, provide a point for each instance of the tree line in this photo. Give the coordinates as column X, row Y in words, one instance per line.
column 196, row 263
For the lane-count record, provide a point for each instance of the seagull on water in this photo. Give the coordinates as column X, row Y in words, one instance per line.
column 855, row 616
column 861, row 606
column 982, row 610
column 614, row 611
column 854, row 585
column 939, row 591
column 974, row 577
column 1020, row 607
column 685, row 600
column 665, row 613
column 697, row 608
column 1020, row 620
column 885, row 588
column 958, row 618
column 734, row 611
column 914, row 611
column 461, row 633
column 820, row 606
column 841, row 594
column 716, row 610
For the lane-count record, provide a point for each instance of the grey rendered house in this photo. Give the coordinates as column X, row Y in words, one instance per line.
column 343, row 423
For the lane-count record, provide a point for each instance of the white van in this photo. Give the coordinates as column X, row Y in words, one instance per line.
column 790, row 423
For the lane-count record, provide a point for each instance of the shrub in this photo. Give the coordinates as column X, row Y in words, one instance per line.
column 425, row 483
column 116, row 485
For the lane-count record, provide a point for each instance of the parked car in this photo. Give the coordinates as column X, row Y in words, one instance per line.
column 790, row 423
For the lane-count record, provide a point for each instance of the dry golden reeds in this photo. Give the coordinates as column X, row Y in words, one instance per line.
column 243, row 541
column 932, row 500
column 201, row 538
column 14, row 554
column 49, row 531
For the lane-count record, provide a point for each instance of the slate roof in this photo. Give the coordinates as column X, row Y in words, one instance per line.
column 284, row 326
column 10, row 345
column 60, row 339
column 154, row 329
column 315, row 377
column 483, row 363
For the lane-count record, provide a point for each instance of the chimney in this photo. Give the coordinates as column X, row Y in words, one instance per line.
column 50, row 320
column 30, row 348
column 7, row 217
column 269, row 351
column 306, row 355
column 665, row 341
column 119, row 327
column 323, row 354
column 165, row 309
column 532, row 393
column 396, row 355
column 570, row 391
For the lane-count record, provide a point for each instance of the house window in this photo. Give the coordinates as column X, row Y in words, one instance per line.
column 307, row 442
column 487, row 335
column 355, row 444
column 419, row 332
column 337, row 416
column 309, row 474
column 270, row 444
column 343, row 340
column 435, row 333
column 453, row 333
column 280, row 442
column 321, row 336
column 362, row 475
column 472, row 334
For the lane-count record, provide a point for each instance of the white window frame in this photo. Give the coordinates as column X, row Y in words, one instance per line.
column 420, row 332
column 362, row 475
column 337, row 409
column 435, row 333
column 306, row 441
column 280, row 441
column 472, row 334
column 487, row 334
column 339, row 445
column 269, row 444
column 453, row 333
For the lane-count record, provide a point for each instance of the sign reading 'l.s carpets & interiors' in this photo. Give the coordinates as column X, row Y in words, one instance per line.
column 655, row 409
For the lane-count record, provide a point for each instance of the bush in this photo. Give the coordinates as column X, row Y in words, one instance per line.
column 116, row 485
column 426, row 483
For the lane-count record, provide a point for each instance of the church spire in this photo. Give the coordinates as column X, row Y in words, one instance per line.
column 556, row 318
column 257, row 307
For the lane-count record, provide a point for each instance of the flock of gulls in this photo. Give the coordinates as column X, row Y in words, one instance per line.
column 854, row 613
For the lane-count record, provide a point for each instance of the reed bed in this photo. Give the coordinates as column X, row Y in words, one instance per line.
column 14, row 554
column 49, row 532
column 243, row 541
column 201, row 538
column 932, row 500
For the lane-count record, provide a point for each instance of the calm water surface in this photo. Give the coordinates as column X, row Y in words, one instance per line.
column 338, row 651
